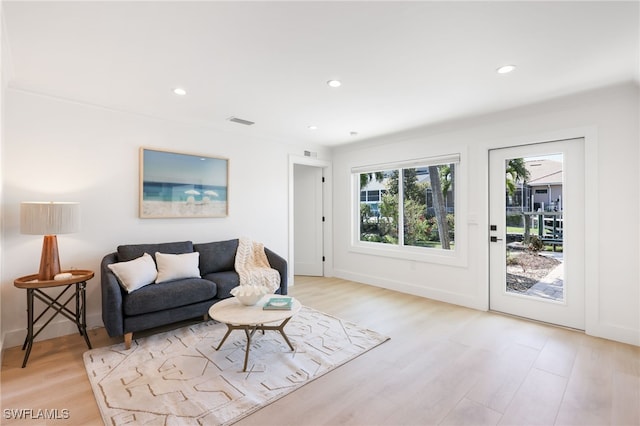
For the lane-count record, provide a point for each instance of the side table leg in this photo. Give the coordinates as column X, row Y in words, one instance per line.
column 77, row 311
column 81, row 311
column 28, row 343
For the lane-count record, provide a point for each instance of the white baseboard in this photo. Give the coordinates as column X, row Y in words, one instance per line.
column 615, row 332
column 410, row 288
column 58, row 327
column 607, row 331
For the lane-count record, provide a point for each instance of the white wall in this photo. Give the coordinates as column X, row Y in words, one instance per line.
column 607, row 117
column 56, row 150
column 3, row 85
column 63, row 151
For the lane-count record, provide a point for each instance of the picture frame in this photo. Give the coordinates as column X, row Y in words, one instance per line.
column 181, row 185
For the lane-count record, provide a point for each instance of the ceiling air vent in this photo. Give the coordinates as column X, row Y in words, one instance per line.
column 240, row 121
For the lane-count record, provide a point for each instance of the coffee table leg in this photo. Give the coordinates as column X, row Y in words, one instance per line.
column 249, row 331
column 246, row 352
column 281, row 330
column 229, row 328
column 278, row 328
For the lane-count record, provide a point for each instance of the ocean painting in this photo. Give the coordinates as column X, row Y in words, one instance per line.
column 175, row 185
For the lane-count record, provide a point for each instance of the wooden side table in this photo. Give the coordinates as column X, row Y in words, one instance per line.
column 34, row 287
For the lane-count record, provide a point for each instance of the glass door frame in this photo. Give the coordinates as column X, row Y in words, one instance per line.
column 571, row 311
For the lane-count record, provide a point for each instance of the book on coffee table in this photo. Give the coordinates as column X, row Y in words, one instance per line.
column 278, row 304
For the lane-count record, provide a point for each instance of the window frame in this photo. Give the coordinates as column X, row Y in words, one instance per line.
column 455, row 256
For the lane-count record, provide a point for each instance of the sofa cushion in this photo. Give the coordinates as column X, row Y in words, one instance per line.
column 133, row 251
column 225, row 281
column 168, row 295
column 136, row 273
column 217, row 256
column 177, row 266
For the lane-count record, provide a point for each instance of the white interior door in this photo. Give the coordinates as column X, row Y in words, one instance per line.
column 545, row 285
column 308, row 242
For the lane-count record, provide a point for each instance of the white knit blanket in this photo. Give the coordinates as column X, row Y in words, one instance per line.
column 253, row 266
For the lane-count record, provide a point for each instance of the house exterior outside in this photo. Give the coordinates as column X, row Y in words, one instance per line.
column 372, row 193
column 543, row 189
column 545, row 184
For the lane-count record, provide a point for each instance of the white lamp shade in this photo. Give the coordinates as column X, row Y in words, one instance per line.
column 49, row 218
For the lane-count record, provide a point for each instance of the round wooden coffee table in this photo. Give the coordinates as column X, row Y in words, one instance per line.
column 237, row 316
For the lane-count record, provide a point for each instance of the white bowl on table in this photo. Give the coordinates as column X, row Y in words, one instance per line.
column 249, row 295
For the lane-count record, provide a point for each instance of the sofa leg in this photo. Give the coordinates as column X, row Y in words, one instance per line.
column 127, row 340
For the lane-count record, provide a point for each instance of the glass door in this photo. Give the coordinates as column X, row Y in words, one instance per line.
column 537, row 231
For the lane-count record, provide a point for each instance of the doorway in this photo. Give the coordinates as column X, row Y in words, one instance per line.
column 537, row 232
column 308, row 220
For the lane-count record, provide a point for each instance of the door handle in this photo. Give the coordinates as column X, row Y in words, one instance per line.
column 495, row 239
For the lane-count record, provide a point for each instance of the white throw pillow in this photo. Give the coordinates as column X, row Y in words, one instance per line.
column 176, row 266
column 135, row 273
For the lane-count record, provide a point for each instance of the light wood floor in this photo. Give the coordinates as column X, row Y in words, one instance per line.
column 443, row 365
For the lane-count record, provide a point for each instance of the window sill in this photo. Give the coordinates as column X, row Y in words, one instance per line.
column 438, row 256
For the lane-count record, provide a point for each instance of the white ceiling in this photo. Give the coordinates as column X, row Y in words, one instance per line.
column 402, row 64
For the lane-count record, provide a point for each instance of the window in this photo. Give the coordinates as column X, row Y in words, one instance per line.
column 414, row 206
column 373, row 195
column 378, row 218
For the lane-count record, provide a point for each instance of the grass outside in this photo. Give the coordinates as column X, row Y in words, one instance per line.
column 516, row 230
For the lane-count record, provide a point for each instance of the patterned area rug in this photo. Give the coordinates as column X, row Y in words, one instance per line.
column 178, row 378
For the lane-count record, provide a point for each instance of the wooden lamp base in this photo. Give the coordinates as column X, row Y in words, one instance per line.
column 50, row 260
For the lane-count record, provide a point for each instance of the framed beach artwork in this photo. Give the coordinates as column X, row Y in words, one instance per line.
column 177, row 185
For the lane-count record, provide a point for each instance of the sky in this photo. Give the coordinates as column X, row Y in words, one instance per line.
column 162, row 166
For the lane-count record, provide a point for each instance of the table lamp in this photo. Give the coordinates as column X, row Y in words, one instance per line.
column 49, row 219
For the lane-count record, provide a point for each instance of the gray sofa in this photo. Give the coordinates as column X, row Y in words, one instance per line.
column 159, row 304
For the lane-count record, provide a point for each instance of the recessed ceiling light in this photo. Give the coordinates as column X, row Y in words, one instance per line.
column 505, row 69
column 179, row 91
column 334, row 83
column 313, row 127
